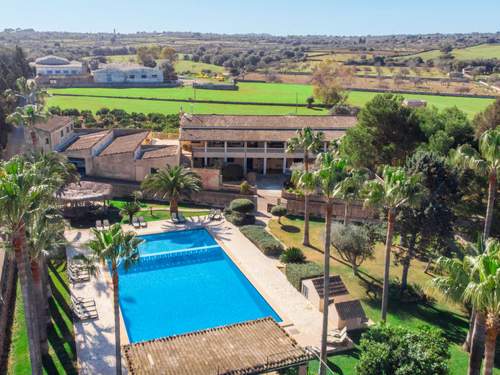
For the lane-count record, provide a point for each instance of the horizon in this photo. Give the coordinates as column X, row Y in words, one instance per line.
column 277, row 18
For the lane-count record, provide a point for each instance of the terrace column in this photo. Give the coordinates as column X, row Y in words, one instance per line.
column 245, row 158
column 205, row 161
column 325, row 146
column 264, row 167
column 284, row 157
column 225, row 152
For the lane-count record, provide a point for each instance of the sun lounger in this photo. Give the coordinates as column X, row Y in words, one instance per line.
column 338, row 333
column 82, row 301
column 142, row 222
column 98, row 225
column 84, row 311
column 78, row 276
column 181, row 218
column 175, row 218
column 105, row 224
column 218, row 214
column 339, row 337
column 211, row 215
column 135, row 223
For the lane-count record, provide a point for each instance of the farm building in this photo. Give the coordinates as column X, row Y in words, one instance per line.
column 415, row 103
column 344, row 311
column 127, row 73
column 58, row 67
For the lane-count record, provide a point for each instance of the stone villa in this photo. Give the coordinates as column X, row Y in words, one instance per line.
column 206, row 142
column 257, row 143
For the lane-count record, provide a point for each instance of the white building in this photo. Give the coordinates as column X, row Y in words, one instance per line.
column 127, row 73
column 58, row 67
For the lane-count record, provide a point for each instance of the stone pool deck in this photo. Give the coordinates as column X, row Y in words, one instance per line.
column 95, row 339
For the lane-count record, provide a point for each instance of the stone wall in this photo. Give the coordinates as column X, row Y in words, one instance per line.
column 211, row 179
column 295, row 206
column 117, row 166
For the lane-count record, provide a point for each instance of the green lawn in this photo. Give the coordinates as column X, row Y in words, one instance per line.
column 448, row 317
column 196, row 67
column 248, row 92
column 62, row 350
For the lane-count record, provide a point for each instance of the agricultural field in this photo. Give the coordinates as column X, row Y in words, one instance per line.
column 392, row 71
column 248, row 92
column 482, row 51
column 182, row 66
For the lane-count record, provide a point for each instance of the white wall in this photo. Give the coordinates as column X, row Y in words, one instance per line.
column 132, row 75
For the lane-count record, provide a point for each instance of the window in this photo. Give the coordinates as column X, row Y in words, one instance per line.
column 144, row 76
column 50, row 72
column 67, row 130
column 154, row 170
column 46, row 141
column 230, row 160
column 65, row 71
column 132, row 76
column 58, row 72
column 155, row 76
column 74, row 72
column 62, row 133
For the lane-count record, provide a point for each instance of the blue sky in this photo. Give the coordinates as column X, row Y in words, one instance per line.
column 280, row 17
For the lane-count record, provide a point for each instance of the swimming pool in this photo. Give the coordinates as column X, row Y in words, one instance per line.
column 185, row 282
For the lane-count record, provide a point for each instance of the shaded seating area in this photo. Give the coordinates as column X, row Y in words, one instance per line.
column 253, row 347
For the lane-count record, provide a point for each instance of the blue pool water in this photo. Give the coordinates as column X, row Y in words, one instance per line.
column 178, row 291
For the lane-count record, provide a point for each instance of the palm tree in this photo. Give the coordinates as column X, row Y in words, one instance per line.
column 117, row 248
column 129, row 209
column 485, row 162
column 27, row 92
column 45, row 237
column 475, row 280
column 309, row 143
column 350, row 190
column 329, row 173
column 21, row 194
column 27, row 116
column 172, row 183
column 391, row 192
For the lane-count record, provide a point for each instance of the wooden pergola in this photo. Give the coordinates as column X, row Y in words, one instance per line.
column 253, row 347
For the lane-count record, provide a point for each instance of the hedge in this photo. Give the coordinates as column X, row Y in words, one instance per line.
column 269, row 245
column 296, row 272
column 242, row 205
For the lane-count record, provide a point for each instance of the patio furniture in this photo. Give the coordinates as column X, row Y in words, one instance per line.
column 76, row 266
column 181, row 217
column 142, row 222
column 105, row 224
column 211, row 215
column 175, row 218
column 98, row 225
column 84, row 309
column 135, row 223
column 78, row 276
column 338, row 338
column 337, row 333
column 218, row 214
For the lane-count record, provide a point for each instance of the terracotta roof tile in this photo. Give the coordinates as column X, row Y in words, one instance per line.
column 124, row 143
column 160, row 152
column 86, row 141
column 54, row 123
column 349, row 309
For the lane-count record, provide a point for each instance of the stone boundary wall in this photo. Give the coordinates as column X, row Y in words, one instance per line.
column 7, row 283
column 114, row 85
column 295, row 206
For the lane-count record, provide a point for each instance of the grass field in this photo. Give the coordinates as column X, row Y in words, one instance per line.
column 248, row 92
column 448, row 318
column 196, row 67
column 481, row 51
column 62, row 351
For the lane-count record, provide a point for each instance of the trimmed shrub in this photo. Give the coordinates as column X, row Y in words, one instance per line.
column 296, row 272
column 293, row 255
column 261, row 238
column 238, row 218
column 242, row 205
column 278, row 211
column 232, row 172
column 245, row 187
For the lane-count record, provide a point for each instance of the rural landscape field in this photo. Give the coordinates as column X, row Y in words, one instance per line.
column 264, row 187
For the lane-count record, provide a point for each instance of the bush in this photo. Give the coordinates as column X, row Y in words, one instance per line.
column 296, row 272
column 293, row 255
column 269, row 245
column 242, row 205
column 245, row 187
column 239, row 219
column 232, row 172
column 278, row 211
column 399, row 350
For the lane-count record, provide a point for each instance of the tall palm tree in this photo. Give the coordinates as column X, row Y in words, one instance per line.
column 27, row 116
column 117, row 248
column 45, row 237
column 350, row 190
column 21, row 194
column 485, row 162
column 391, row 191
column 475, row 280
column 309, row 143
column 172, row 183
column 329, row 172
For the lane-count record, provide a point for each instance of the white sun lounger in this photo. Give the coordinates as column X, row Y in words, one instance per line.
column 105, row 224
column 98, row 225
column 142, row 222
column 135, row 223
